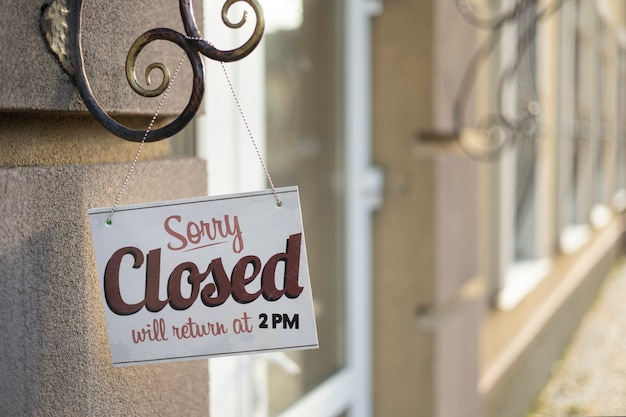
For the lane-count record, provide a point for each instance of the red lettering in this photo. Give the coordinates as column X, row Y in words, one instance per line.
column 139, row 336
column 239, row 280
column 153, row 281
column 209, row 230
column 156, row 333
column 112, row 292
column 291, row 257
column 241, row 325
column 214, row 292
column 193, row 330
column 174, row 291
column 221, row 285
column 194, row 233
column 173, row 233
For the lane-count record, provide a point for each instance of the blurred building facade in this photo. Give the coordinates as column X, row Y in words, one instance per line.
column 465, row 161
column 462, row 169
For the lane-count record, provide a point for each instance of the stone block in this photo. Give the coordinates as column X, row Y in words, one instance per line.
column 33, row 79
column 54, row 353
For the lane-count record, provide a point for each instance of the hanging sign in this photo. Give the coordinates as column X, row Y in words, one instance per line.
column 196, row 278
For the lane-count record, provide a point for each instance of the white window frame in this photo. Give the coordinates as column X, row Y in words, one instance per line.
column 572, row 235
column 557, row 230
column 235, row 387
column 600, row 214
column 619, row 197
column 513, row 279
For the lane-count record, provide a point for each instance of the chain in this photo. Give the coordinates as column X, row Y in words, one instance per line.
column 118, row 198
column 247, row 125
column 133, row 165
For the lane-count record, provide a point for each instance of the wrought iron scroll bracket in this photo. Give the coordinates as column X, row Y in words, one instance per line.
column 499, row 130
column 61, row 23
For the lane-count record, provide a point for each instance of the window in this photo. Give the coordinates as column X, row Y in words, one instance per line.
column 576, row 132
column 520, row 255
column 619, row 200
column 587, row 160
column 304, row 146
column 299, row 90
column 600, row 213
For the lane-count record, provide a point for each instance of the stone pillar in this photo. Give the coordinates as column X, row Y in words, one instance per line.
column 428, row 301
column 449, row 318
column 56, row 162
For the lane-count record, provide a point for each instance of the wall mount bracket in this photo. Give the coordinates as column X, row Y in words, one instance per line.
column 61, row 26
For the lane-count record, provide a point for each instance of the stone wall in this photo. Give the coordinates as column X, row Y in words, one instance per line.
column 55, row 357
column 56, row 162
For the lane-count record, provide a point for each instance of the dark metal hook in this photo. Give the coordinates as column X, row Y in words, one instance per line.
column 191, row 43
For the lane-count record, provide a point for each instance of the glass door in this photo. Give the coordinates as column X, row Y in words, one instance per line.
column 304, row 93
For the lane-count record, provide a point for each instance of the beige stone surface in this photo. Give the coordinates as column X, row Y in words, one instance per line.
column 40, row 140
column 519, row 347
column 402, row 93
column 432, row 371
column 589, row 380
column 33, row 80
column 54, row 353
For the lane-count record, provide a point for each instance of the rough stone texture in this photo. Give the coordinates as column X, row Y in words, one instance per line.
column 33, row 80
column 54, row 353
column 39, row 140
column 568, row 291
column 425, row 314
column 589, row 381
column 426, row 231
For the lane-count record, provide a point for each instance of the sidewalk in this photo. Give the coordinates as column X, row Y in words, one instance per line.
column 591, row 378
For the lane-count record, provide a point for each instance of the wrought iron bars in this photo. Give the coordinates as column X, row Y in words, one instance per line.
column 500, row 130
column 61, row 24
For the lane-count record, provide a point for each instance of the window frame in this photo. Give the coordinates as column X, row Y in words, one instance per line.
column 237, row 382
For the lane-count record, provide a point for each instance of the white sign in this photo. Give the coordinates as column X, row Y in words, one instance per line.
column 196, row 278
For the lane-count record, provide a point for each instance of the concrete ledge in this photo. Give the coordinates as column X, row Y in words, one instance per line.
column 522, row 345
column 54, row 353
column 69, row 140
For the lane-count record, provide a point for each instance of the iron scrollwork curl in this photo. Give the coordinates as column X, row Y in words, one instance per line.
column 500, row 130
column 193, row 45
